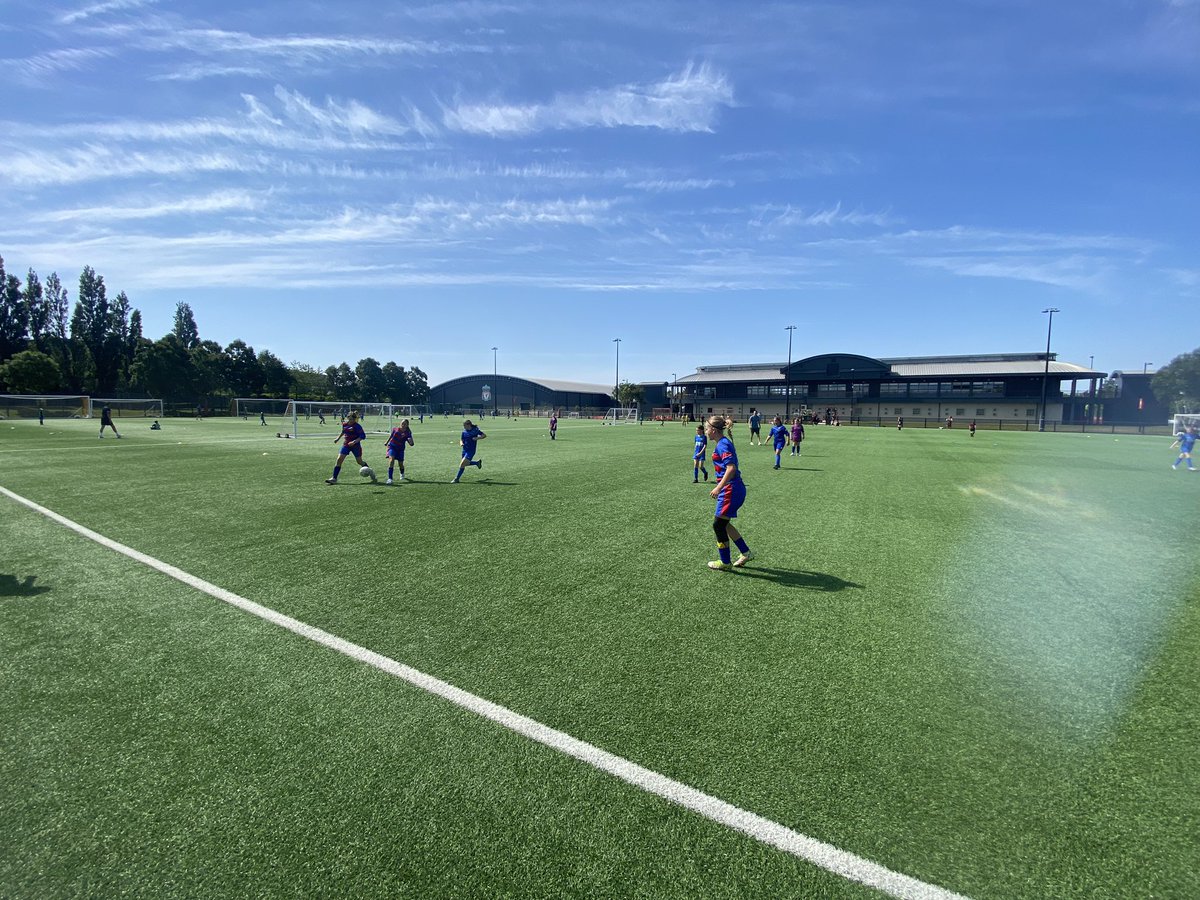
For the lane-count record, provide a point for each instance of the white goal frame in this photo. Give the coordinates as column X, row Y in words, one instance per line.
column 304, row 417
column 617, row 415
column 253, row 407
column 129, row 407
column 56, row 406
column 1180, row 422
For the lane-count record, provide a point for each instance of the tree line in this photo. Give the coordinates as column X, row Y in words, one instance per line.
column 97, row 348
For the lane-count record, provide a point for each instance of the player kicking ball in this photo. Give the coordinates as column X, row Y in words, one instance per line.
column 351, row 437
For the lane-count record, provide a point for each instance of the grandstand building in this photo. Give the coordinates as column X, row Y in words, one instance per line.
column 501, row 394
column 993, row 388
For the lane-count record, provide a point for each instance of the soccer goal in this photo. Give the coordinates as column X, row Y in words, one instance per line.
column 1181, row 422
column 316, row 418
column 124, row 407
column 53, row 406
column 618, row 416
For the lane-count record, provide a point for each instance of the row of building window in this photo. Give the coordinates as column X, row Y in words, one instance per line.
column 887, row 389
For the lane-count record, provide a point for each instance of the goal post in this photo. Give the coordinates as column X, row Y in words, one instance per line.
column 253, row 407
column 321, row 418
column 126, row 407
column 1181, row 422
column 617, row 415
column 53, row 406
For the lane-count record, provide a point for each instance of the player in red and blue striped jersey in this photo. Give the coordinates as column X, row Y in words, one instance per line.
column 698, row 455
column 730, row 494
column 471, row 435
column 400, row 438
column 351, row 437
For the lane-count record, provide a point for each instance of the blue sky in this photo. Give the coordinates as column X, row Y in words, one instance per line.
column 421, row 182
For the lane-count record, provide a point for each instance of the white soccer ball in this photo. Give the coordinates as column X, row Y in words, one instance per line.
column 366, row 472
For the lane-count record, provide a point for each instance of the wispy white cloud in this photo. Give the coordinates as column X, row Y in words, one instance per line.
column 689, row 101
column 100, row 9
column 663, row 185
column 33, row 69
column 772, row 221
column 224, row 201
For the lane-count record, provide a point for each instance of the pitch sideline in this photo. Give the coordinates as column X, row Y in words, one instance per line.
column 819, row 853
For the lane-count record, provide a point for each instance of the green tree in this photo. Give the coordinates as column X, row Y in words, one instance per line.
column 629, row 394
column 372, row 386
column 276, row 379
column 244, row 374
column 396, row 381
column 57, row 340
column 418, row 385
column 309, row 382
column 31, row 372
column 1177, row 384
column 185, row 326
column 211, row 366
column 342, row 384
column 37, row 308
column 164, row 369
column 14, row 315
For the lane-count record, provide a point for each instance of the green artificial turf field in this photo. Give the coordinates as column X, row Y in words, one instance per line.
column 970, row 660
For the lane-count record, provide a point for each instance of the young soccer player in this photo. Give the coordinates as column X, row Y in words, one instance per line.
column 401, row 437
column 972, row 427
column 779, row 437
column 106, row 421
column 755, row 422
column 730, row 494
column 553, row 424
column 262, row 418
column 797, row 435
column 471, row 435
column 351, row 437
column 1186, row 440
column 698, row 455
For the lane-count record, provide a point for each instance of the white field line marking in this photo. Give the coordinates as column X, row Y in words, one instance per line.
column 826, row 856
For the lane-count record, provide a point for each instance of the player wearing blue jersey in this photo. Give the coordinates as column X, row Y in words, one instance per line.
column 471, row 435
column 1186, row 440
column 779, row 438
column 730, row 494
column 698, row 456
column 351, row 437
column 401, row 437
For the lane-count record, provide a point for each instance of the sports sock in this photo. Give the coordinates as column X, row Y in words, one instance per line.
column 390, row 468
column 742, row 545
column 336, row 469
column 723, row 551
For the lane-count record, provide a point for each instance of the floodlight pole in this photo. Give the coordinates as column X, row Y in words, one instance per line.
column 673, row 388
column 1146, row 366
column 617, row 389
column 495, row 386
column 1046, row 374
column 787, row 377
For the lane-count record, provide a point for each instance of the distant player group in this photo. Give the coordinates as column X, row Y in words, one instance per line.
column 401, row 438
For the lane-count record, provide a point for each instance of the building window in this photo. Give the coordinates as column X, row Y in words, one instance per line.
column 922, row 389
column 916, row 412
column 893, row 389
column 756, row 390
column 981, row 412
column 960, row 412
column 1030, row 413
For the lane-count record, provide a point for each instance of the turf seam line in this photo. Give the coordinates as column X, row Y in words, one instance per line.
column 826, row 856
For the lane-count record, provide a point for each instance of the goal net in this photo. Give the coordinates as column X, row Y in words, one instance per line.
column 316, row 418
column 124, row 407
column 1181, row 422
column 53, row 406
column 618, row 416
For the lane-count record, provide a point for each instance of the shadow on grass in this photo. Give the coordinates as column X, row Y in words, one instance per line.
column 799, row 578
column 12, row 586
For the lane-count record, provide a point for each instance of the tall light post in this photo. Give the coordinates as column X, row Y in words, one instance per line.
column 495, row 385
column 787, row 378
column 673, row 380
column 617, row 389
column 1146, row 366
column 1046, row 374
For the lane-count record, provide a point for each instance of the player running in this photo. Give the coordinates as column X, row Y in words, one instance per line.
column 553, row 425
column 730, row 494
column 401, row 436
column 698, row 456
column 779, row 438
column 471, row 435
column 1185, row 440
column 351, row 437
column 106, row 421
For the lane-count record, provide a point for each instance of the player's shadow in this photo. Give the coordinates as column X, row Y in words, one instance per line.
column 12, row 586
column 800, row 578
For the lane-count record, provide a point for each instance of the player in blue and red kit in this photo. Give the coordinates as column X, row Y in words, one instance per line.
column 779, row 438
column 1186, row 441
column 351, row 437
column 471, row 435
column 553, row 425
column 730, row 494
column 400, row 438
column 698, row 456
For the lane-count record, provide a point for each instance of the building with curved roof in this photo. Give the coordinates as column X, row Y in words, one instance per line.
column 502, row 393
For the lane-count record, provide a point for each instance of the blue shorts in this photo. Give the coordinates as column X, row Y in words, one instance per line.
column 468, row 455
column 356, row 450
column 395, row 454
column 730, row 500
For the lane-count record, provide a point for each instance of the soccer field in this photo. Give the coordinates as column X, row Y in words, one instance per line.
column 969, row 662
